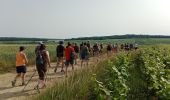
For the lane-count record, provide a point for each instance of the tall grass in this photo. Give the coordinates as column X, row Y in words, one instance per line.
column 73, row 88
column 8, row 53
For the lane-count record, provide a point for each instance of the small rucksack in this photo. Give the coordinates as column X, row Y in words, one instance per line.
column 76, row 48
column 39, row 59
column 72, row 56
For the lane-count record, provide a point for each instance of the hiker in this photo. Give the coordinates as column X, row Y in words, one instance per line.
column 131, row 46
column 127, row 47
column 60, row 56
column 77, row 51
column 101, row 48
column 84, row 54
column 42, row 60
column 21, row 61
column 109, row 49
column 96, row 51
column 135, row 46
column 81, row 45
column 89, row 46
column 116, row 48
column 122, row 47
column 69, row 56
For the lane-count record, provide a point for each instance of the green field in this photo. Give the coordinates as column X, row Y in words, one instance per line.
column 8, row 49
column 134, row 75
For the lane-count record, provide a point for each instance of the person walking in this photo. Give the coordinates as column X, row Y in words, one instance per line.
column 101, row 48
column 77, row 51
column 60, row 56
column 109, row 50
column 21, row 61
column 84, row 54
column 69, row 56
column 96, row 51
column 42, row 60
column 89, row 46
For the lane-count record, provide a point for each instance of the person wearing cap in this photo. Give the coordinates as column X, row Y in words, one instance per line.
column 38, row 46
column 60, row 56
column 21, row 61
column 42, row 61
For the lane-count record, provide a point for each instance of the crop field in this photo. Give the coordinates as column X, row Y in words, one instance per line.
column 141, row 75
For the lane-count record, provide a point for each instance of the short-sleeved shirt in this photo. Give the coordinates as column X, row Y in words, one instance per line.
column 68, row 51
column 109, row 48
column 96, row 48
column 60, row 50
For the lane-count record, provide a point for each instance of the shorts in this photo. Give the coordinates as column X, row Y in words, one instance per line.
column 59, row 59
column 60, row 55
column 21, row 69
column 42, row 69
column 77, row 55
column 85, row 57
column 69, row 62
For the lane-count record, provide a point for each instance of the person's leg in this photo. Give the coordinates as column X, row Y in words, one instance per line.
column 87, row 62
column 72, row 66
column 58, row 62
column 41, row 76
column 17, row 76
column 23, row 78
column 76, row 59
column 23, row 74
column 18, row 71
column 81, row 62
column 44, row 76
column 62, row 66
column 97, row 53
column 66, row 70
column 15, row 79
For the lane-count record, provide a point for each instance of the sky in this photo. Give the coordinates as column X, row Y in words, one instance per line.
column 81, row 18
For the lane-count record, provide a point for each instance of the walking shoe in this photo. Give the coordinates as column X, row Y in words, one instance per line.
column 13, row 83
column 22, row 84
column 37, row 88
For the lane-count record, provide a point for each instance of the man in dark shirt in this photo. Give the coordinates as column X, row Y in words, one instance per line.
column 60, row 56
column 77, row 50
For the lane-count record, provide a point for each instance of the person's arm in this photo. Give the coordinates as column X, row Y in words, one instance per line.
column 25, row 57
column 48, row 58
column 73, row 51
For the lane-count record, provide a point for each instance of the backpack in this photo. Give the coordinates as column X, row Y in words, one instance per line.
column 84, row 51
column 40, row 59
column 72, row 56
column 76, row 48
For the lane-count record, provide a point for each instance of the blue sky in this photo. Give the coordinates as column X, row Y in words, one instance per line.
column 79, row 18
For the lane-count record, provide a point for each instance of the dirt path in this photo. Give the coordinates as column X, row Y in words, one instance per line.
column 7, row 92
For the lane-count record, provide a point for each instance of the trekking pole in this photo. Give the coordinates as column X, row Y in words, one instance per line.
column 29, row 80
